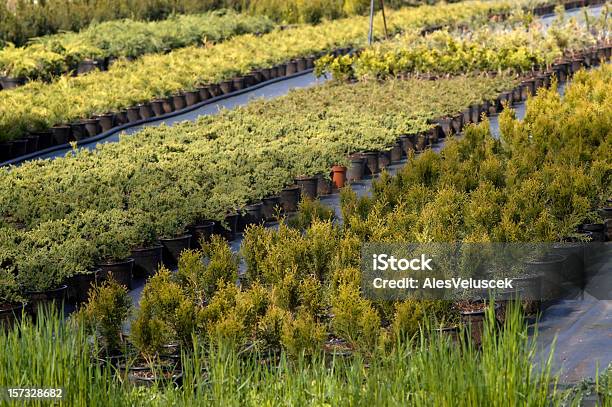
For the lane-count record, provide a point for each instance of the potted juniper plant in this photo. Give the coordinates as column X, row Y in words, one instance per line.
column 165, row 320
column 146, row 250
column 12, row 303
column 103, row 316
column 171, row 226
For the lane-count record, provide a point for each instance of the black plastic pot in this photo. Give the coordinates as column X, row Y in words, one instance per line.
column 291, row 68
column 204, row 92
column 61, row 134
column 227, row 87
column 11, row 83
column 356, row 169
column 274, row 72
column 145, row 377
column 31, row 143
column 158, row 107
column 422, row 141
column 215, row 90
column 467, row 116
column 106, row 121
column 10, row 315
column 239, row 83
column 475, row 320
column 147, row 261
column 384, row 159
column 301, row 64
column 167, row 106
column 201, row 232
column 121, row 272
column 252, row 216
column 173, row 249
column 282, row 70
column 78, row 131
column 92, row 127
column 121, row 117
column 133, row 114
column 324, row 185
column 572, row 271
column 86, row 66
column 597, row 231
column 527, row 89
column 270, row 207
column 18, row 148
column 308, row 186
column 310, row 62
column 290, row 198
column 45, row 139
column 549, row 268
column 475, row 111
column 230, row 226
column 396, row 151
column 179, row 101
column 192, row 97
column 457, row 123
column 265, row 72
column 146, row 111
column 46, row 300
column 257, row 75
column 408, row 142
column 446, row 126
column 80, row 284
column 371, row 163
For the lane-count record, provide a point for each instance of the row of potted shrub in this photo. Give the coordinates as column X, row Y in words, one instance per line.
column 38, row 106
column 96, row 47
column 488, row 49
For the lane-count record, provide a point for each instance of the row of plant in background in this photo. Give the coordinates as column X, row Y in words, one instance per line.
column 39, row 105
column 20, row 20
column 422, row 373
column 98, row 205
column 50, row 56
column 488, row 49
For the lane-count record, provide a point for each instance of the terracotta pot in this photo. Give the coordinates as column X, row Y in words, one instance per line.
column 106, row 121
column 192, row 97
column 146, row 111
column 173, row 249
column 202, row 231
column 147, row 260
column 270, row 207
column 339, row 176
column 324, row 185
column 92, row 127
column 290, row 198
column 227, row 87
column 62, row 134
column 308, row 186
column 121, row 272
column 133, row 114
column 179, row 101
column 357, row 168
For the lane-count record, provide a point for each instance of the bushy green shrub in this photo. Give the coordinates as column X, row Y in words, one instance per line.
column 107, row 309
column 302, row 335
column 355, row 319
column 10, row 292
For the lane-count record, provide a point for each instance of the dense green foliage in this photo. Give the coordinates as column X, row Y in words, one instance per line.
column 98, row 204
column 40, row 105
column 427, row 371
column 21, row 20
column 49, row 56
column 489, row 49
